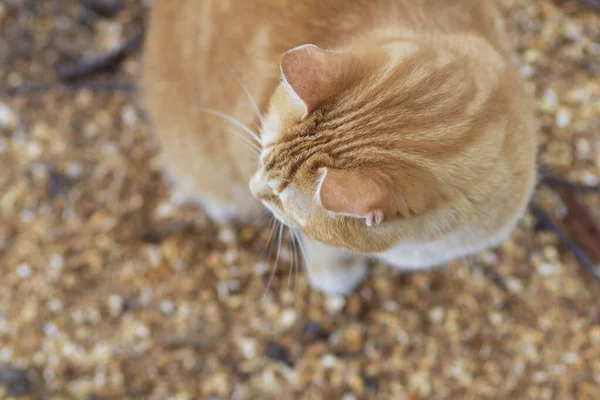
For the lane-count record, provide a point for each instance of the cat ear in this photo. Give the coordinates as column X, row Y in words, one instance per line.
column 311, row 74
column 352, row 193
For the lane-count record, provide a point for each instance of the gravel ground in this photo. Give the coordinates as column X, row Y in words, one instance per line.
column 111, row 288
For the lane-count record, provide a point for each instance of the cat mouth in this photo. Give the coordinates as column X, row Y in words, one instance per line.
column 277, row 214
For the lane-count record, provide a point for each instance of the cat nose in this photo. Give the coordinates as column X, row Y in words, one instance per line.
column 260, row 189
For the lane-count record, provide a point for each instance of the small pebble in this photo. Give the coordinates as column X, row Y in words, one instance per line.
column 547, row 269
column 563, row 118
column 50, row 329
column 8, row 119
column 334, row 304
column 55, row 305
column 437, row 315
column 24, row 271
column 288, row 318
column 328, row 361
column 167, row 307
column 115, row 304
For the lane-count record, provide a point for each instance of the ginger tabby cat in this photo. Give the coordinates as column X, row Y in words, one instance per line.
column 389, row 129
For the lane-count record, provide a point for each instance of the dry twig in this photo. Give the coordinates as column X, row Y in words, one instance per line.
column 84, row 68
column 584, row 261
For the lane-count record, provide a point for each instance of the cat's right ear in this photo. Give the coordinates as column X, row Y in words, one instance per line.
column 311, row 75
column 355, row 194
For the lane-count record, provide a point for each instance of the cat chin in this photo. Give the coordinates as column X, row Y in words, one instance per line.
column 278, row 215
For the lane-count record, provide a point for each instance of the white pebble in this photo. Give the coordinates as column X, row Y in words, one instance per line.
column 184, row 311
column 547, row 269
column 261, row 267
column 572, row 30
column 100, row 379
column 50, row 329
column 489, row 258
column 583, row 148
column 115, row 304
column 540, row 377
column 495, row 318
column 34, row 149
column 56, row 261
column 248, row 347
column 402, row 337
column 589, row 178
column 527, row 71
column 563, row 118
column 167, row 307
column 78, row 316
column 142, row 330
column 328, row 361
column 146, row 296
column 229, row 257
column 69, row 349
column 5, row 354
column 129, row 116
column 24, row 271
column 103, row 352
column 334, row 304
column 7, row 117
column 178, row 198
column 26, row 216
column 55, row 305
column 227, row 235
column 287, row 318
column 109, row 149
column 165, row 210
column 570, row 358
column 550, row 100
column 154, row 255
column 74, row 170
column 437, row 314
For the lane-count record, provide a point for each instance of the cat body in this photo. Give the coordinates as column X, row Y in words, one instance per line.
column 396, row 129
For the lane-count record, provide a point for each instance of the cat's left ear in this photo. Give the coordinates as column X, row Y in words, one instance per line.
column 353, row 193
column 311, row 74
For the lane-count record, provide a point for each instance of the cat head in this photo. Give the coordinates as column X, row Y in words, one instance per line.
column 353, row 142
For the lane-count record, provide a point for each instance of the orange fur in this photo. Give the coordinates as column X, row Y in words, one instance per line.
column 419, row 97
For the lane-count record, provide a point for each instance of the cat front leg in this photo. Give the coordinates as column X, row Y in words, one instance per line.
column 331, row 270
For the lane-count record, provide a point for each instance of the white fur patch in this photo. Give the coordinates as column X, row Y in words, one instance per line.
column 271, row 129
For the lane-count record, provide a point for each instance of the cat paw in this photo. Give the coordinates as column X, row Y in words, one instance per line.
column 338, row 279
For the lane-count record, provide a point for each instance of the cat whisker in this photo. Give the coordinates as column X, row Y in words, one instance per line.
column 291, row 260
column 250, row 145
column 247, row 91
column 276, row 259
column 295, row 258
column 232, row 120
column 272, row 226
column 302, row 251
column 259, row 216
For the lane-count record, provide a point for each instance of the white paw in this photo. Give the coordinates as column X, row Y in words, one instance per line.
column 338, row 279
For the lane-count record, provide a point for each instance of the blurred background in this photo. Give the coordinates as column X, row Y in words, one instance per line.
column 111, row 287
